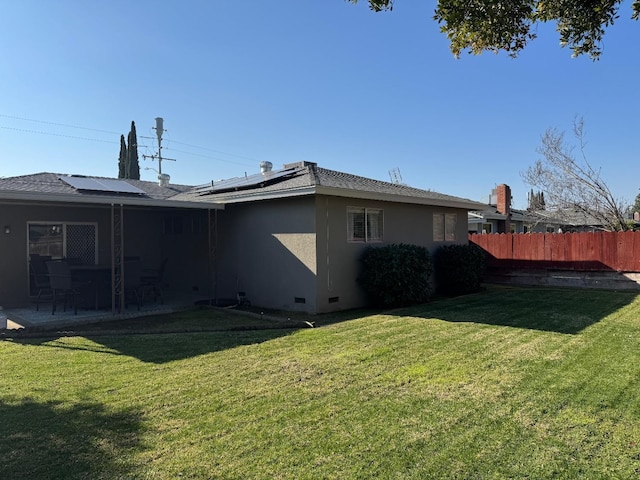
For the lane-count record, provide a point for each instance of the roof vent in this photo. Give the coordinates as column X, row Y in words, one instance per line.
column 301, row 164
column 265, row 167
column 163, row 180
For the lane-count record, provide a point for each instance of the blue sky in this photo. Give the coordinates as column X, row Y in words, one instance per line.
column 320, row 80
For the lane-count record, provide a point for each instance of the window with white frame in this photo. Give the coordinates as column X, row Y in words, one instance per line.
column 365, row 224
column 64, row 240
column 444, row 227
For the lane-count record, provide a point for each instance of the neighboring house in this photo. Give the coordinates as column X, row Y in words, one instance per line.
column 565, row 220
column 289, row 239
column 498, row 216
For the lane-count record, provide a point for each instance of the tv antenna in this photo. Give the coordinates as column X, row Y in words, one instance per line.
column 395, row 175
column 159, row 128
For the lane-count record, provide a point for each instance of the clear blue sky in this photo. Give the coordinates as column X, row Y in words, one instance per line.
column 238, row 82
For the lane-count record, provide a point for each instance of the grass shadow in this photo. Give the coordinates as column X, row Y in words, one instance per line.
column 165, row 338
column 561, row 310
column 49, row 440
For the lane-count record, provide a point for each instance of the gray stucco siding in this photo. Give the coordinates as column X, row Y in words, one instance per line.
column 338, row 258
column 14, row 267
column 267, row 249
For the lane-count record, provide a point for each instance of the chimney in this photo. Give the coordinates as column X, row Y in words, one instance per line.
column 503, row 204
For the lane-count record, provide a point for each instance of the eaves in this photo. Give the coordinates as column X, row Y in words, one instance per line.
column 347, row 193
column 45, row 198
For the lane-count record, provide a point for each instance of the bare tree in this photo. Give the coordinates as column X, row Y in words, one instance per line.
column 571, row 184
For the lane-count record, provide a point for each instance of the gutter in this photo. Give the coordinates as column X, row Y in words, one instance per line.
column 346, row 193
column 18, row 196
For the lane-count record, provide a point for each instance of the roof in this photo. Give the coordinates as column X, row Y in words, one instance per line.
column 52, row 187
column 306, row 178
column 298, row 179
column 491, row 213
column 568, row 216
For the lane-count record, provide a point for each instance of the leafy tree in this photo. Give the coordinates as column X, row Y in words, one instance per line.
column 479, row 25
column 571, row 184
column 132, row 166
column 122, row 159
column 636, row 204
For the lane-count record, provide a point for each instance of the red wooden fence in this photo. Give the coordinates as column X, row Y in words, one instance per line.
column 618, row 251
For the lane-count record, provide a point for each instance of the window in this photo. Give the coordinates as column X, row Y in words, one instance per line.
column 486, row 228
column 64, row 240
column 364, row 224
column 444, row 227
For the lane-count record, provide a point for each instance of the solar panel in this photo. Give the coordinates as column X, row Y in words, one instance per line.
column 101, row 185
column 241, row 183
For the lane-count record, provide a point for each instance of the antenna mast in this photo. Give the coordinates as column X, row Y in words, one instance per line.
column 395, row 176
column 159, row 128
column 159, row 131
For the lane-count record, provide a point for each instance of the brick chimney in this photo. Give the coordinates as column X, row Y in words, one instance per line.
column 503, row 205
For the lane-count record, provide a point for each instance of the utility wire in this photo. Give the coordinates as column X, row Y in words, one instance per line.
column 212, row 150
column 57, row 124
column 58, row 135
column 45, row 122
column 244, row 164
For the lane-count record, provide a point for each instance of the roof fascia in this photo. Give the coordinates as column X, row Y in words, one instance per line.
column 346, row 193
column 41, row 197
column 387, row 197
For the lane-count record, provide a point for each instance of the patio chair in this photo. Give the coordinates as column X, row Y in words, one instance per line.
column 63, row 287
column 40, row 278
column 152, row 280
column 243, row 301
column 132, row 282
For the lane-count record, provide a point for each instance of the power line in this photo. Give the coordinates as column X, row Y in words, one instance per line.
column 212, row 150
column 58, row 135
column 244, row 164
column 45, row 122
column 57, row 124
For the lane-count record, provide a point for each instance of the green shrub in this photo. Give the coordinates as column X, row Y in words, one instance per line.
column 396, row 275
column 459, row 268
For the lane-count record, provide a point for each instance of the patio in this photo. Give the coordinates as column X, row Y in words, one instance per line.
column 29, row 317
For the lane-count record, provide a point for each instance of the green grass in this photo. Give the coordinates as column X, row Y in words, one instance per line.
column 509, row 383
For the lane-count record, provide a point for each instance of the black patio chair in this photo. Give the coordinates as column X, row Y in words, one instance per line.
column 63, row 287
column 152, row 280
column 133, row 288
column 40, row 279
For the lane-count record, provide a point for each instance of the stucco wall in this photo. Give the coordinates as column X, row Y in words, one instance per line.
column 150, row 236
column 338, row 259
column 268, row 250
column 14, row 268
column 144, row 237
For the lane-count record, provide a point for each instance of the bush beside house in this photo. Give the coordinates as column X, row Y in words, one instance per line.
column 396, row 275
column 459, row 268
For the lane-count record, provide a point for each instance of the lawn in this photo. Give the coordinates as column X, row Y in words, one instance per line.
column 508, row 383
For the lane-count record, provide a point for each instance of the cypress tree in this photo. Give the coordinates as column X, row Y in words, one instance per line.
column 122, row 159
column 132, row 165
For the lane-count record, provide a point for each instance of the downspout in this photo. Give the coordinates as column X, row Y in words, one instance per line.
column 329, row 283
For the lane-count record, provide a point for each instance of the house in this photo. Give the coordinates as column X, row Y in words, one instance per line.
column 288, row 239
column 497, row 216
column 566, row 220
column 291, row 239
column 97, row 221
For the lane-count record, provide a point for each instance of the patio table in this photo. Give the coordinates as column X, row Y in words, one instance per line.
column 99, row 279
